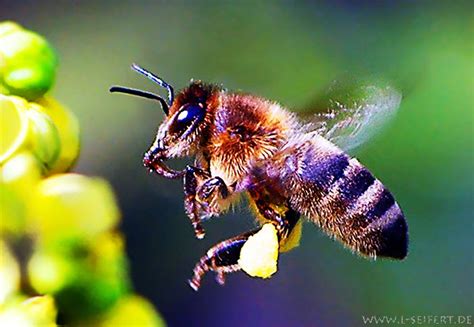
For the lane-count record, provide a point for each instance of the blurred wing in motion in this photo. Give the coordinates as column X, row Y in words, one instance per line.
column 354, row 113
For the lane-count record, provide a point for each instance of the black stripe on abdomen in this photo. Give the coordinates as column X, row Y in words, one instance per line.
column 385, row 201
column 387, row 233
column 325, row 171
column 353, row 187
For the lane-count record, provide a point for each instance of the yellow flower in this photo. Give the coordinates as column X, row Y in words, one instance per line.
column 18, row 177
column 41, row 310
column 21, row 173
column 9, row 273
column 69, row 134
column 12, row 212
column 32, row 312
column 24, row 126
column 50, row 272
column 71, row 205
column 13, row 126
column 132, row 310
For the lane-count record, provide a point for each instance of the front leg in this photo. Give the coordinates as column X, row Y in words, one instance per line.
column 192, row 179
column 202, row 196
column 210, row 193
column 284, row 223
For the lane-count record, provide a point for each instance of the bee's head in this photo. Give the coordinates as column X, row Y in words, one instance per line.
column 186, row 121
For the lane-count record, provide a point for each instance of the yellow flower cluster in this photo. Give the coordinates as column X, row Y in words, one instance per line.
column 60, row 251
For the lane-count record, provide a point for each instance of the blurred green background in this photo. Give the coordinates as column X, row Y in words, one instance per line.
column 288, row 52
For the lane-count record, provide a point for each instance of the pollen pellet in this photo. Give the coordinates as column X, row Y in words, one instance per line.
column 259, row 255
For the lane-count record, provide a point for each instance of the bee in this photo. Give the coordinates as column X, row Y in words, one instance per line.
column 288, row 167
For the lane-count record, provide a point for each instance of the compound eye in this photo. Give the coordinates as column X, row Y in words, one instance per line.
column 187, row 115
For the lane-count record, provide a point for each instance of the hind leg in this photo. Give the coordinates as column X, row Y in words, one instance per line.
column 223, row 257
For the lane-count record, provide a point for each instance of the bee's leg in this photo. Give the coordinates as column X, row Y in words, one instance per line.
column 209, row 194
column 222, row 258
column 192, row 179
column 284, row 221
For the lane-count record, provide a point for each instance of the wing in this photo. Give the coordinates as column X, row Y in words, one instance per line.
column 354, row 112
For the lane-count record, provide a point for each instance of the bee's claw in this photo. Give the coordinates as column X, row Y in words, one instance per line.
column 200, row 234
column 195, row 284
column 199, row 231
column 222, row 258
column 199, row 270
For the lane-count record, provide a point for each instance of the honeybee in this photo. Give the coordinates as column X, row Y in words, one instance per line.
column 288, row 167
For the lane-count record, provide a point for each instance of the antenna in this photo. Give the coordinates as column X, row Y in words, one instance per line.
column 157, row 80
column 143, row 94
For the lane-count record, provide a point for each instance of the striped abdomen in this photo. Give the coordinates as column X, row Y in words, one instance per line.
column 344, row 198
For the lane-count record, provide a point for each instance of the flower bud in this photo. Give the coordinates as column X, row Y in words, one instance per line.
column 41, row 310
column 9, row 273
column 27, row 62
column 132, row 310
column 12, row 212
column 49, row 272
column 25, row 127
column 69, row 134
column 71, row 205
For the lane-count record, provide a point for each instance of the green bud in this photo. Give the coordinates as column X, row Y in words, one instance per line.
column 27, row 62
column 100, row 278
column 30, row 82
